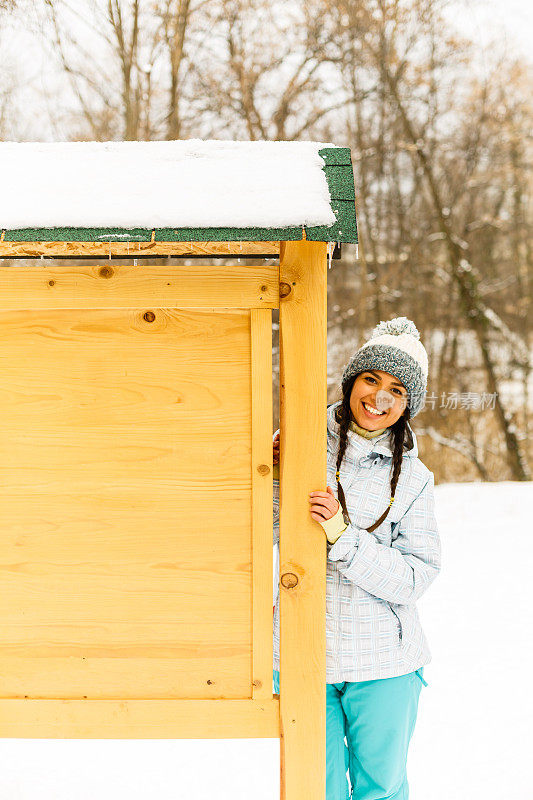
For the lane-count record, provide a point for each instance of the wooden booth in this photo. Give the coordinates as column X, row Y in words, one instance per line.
column 136, row 414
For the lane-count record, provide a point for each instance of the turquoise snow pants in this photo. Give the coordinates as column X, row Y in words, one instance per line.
column 378, row 719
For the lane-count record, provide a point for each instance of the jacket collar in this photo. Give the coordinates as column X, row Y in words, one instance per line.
column 365, row 447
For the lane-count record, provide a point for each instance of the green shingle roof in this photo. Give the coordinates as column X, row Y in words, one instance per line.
column 339, row 175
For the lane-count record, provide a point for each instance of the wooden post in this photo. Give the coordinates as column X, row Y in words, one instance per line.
column 303, row 445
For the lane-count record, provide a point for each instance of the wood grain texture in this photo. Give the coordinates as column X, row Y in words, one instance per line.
column 303, row 438
column 126, row 506
column 136, row 503
column 139, row 719
column 68, row 286
column 262, row 487
column 74, row 249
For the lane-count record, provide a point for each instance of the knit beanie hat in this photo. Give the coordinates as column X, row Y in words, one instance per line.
column 394, row 347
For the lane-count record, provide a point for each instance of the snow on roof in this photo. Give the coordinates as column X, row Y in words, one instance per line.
column 188, row 183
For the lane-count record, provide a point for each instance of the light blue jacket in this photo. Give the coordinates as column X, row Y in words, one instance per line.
column 373, row 580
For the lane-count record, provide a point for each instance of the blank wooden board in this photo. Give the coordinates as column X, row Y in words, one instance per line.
column 126, row 504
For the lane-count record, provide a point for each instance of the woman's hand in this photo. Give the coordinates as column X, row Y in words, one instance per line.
column 276, row 448
column 325, row 504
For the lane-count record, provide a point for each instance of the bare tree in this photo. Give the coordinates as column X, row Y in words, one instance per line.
column 405, row 85
column 175, row 16
column 265, row 77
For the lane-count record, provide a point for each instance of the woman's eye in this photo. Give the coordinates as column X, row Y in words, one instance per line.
column 371, row 378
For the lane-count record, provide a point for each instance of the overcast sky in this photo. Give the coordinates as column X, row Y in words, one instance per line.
column 483, row 19
column 508, row 21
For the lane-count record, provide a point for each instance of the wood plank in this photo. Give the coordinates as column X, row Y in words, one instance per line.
column 303, row 437
column 126, row 502
column 68, row 286
column 134, row 249
column 179, row 666
column 262, row 486
column 139, row 719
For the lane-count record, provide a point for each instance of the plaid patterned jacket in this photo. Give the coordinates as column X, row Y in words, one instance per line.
column 373, row 580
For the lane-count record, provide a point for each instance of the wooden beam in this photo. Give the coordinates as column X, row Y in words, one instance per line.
column 303, row 439
column 262, row 487
column 24, row 718
column 45, row 286
column 134, row 249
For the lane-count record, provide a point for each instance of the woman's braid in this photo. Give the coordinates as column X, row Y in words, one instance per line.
column 401, row 437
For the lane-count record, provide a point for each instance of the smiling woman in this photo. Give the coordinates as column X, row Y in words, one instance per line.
column 376, row 649
column 388, row 374
column 375, row 646
column 377, row 399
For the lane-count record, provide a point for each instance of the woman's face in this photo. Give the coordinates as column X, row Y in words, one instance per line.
column 379, row 391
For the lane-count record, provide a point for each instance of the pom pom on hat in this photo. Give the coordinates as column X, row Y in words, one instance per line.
column 395, row 327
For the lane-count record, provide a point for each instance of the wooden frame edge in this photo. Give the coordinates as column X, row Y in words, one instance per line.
column 262, row 488
column 41, row 718
column 74, row 249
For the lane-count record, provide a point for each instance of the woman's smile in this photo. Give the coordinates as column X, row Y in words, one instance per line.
column 371, row 411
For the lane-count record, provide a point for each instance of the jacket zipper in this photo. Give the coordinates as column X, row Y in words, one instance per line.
column 398, row 618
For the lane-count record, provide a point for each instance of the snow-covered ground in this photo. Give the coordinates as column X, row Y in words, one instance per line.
column 472, row 740
column 473, row 733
